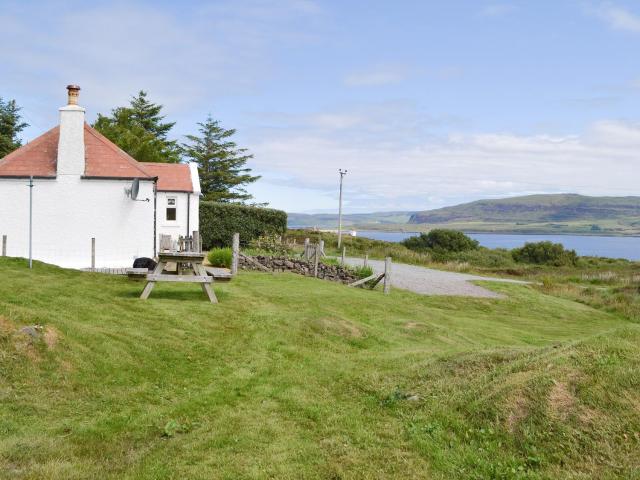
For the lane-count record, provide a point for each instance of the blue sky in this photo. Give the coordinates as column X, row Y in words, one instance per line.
column 426, row 103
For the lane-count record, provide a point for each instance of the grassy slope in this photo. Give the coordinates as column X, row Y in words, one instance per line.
column 290, row 377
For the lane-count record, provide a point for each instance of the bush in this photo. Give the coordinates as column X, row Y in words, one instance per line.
column 271, row 245
column 363, row 272
column 486, row 258
column 219, row 221
column 545, row 253
column 220, row 257
column 442, row 241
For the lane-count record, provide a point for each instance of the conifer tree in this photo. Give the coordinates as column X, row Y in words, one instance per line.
column 140, row 131
column 11, row 125
column 221, row 164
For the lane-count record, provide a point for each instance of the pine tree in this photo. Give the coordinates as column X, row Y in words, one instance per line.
column 11, row 125
column 139, row 130
column 221, row 164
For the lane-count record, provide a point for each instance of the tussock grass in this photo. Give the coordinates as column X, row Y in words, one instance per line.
column 291, row 377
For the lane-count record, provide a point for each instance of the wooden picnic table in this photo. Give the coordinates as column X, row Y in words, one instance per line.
column 199, row 273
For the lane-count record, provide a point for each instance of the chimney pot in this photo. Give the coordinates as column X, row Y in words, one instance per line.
column 73, row 94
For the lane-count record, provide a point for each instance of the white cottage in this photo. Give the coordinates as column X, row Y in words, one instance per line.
column 82, row 184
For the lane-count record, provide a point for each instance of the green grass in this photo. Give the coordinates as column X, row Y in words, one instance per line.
column 291, row 377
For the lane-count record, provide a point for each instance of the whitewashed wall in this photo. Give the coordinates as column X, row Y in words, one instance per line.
column 187, row 205
column 68, row 212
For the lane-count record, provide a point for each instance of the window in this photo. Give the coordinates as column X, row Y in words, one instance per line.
column 171, row 209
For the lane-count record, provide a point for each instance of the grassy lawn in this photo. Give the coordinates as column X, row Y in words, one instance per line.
column 292, row 377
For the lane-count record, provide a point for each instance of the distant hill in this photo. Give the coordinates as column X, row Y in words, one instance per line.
column 535, row 209
column 554, row 213
column 330, row 220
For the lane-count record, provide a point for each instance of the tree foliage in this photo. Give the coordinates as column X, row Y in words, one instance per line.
column 441, row 240
column 221, row 163
column 546, row 253
column 11, row 125
column 140, row 130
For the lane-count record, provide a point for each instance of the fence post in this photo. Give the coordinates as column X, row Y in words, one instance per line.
column 197, row 246
column 366, row 260
column 321, row 244
column 93, row 253
column 344, row 252
column 235, row 253
column 306, row 249
column 387, row 275
column 315, row 261
column 4, row 245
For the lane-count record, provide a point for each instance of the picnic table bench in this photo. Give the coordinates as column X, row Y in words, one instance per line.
column 200, row 276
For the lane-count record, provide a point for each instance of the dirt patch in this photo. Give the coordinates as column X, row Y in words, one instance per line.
column 339, row 326
column 589, row 416
column 6, row 327
column 561, row 400
column 25, row 345
column 51, row 336
column 518, row 410
column 413, row 325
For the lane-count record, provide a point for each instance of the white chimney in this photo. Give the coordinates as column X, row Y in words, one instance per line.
column 71, row 141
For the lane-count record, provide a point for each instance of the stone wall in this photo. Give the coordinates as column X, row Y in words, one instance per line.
column 335, row 273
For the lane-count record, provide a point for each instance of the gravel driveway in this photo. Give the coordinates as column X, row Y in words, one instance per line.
column 433, row 282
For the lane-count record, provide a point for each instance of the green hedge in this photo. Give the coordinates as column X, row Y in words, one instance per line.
column 219, row 221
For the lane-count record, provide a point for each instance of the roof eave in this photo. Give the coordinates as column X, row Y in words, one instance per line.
column 39, row 177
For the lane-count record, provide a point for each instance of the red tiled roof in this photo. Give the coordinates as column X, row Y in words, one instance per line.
column 103, row 159
column 172, row 177
column 37, row 158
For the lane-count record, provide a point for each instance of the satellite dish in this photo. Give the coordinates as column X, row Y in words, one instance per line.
column 133, row 192
column 135, row 188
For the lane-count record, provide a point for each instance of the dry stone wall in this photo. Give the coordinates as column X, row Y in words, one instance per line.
column 335, row 273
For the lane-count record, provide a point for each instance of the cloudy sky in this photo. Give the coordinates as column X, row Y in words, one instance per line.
column 426, row 103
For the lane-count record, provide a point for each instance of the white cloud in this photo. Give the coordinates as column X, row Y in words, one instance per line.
column 393, row 172
column 497, row 9
column 619, row 18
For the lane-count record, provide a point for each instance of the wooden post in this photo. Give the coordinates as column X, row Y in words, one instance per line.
column 344, row 252
column 4, row 245
column 197, row 245
column 93, row 253
column 366, row 260
column 387, row 275
column 321, row 245
column 315, row 261
column 306, row 249
column 235, row 253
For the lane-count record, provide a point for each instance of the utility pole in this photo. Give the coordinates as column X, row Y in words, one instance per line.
column 342, row 174
column 31, row 221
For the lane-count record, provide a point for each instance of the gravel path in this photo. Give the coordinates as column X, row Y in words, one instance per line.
column 428, row 281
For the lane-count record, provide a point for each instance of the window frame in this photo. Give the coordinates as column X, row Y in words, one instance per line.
column 172, row 204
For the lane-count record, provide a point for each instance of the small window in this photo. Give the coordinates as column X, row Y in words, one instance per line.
column 171, row 209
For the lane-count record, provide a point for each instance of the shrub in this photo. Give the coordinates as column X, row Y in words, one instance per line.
column 220, row 257
column 219, row 221
column 441, row 240
column 330, row 261
column 271, row 245
column 363, row 272
column 545, row 253
column 486, row 258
